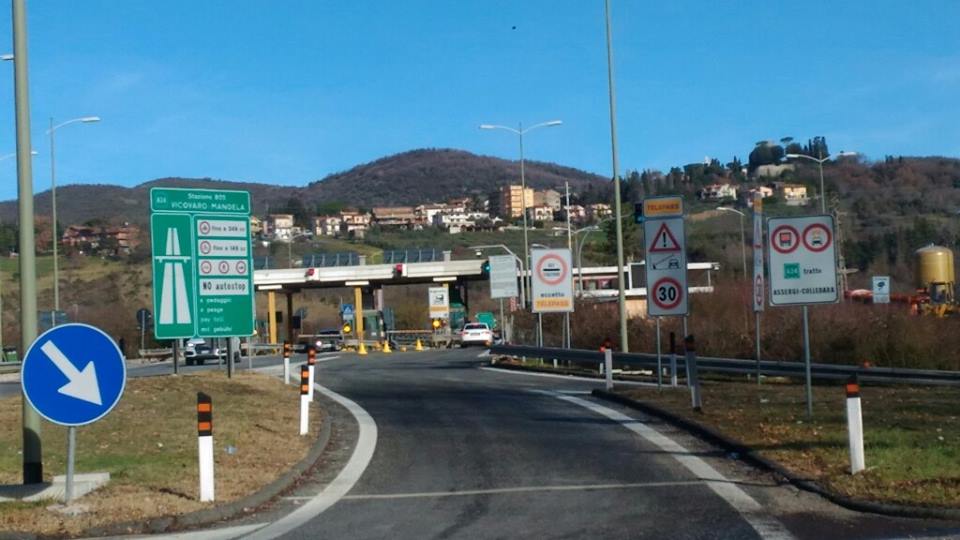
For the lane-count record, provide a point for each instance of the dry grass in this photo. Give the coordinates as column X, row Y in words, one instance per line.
column 149, row 446
column 912, row 435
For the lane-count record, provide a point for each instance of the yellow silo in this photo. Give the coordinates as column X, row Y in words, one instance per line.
column 935, row 273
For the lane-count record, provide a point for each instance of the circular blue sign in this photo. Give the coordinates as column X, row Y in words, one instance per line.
column 73, row 374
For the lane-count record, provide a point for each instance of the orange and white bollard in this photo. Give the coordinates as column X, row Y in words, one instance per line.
column 304, row 400
column 286, row 362
column 205, row 445
column 311, row 368
column 855, row 425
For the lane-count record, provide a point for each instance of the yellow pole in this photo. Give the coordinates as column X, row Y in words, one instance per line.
column 272, row 316
column 358, row 315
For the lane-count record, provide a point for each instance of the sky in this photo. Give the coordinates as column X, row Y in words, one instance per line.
column 287, row 92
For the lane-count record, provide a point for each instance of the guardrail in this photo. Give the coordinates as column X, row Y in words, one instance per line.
column 739, row 366
column 409, row 337
column 10, row 367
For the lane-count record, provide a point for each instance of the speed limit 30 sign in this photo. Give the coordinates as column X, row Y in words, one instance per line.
column 666, row 265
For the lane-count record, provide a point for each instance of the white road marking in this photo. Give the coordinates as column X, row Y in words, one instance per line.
column 343, row 483
column 766, row 525
column 568, row 377
column 484, row 354
column 527, row 489
column 225, row 533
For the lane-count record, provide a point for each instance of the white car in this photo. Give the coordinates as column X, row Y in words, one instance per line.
column 476, row 334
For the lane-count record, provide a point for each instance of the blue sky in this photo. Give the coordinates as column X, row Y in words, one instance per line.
column 289, row 91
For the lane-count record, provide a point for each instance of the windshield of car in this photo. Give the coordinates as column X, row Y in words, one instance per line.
column 476, row 326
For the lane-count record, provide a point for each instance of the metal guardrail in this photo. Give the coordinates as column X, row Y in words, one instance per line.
column 10, row 367
column 740, row 366
column 409, row 337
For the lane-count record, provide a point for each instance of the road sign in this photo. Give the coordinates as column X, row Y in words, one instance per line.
column 881, row 289
column 758, row 285
column 73, row 374
column 202, row 263
column 803, row 266
column 503, row 276
column 439, row 301
column 662, row 207
column 346, row 312
column 666, row 260
column 552, row 290
column 143, row 317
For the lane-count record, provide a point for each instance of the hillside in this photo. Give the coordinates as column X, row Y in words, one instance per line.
column 408, row 178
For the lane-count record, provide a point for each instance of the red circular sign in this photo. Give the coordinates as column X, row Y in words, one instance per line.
column 817, row 237
column 224, row 267
column 241, row 267
column 785, row 239
column 667, row 293
column 204, row 247
column 551, row 275
column 204, row 227
column 205, row 267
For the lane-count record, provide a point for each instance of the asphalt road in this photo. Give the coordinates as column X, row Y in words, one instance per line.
column 464, row 452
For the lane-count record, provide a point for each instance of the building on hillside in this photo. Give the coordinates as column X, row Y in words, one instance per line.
column 426, row 212
column 792, row 194
column 113, row 240
column 513, row 199
column 717, row 192
column 80, row 238
column 354, row 224
column 453, row 221
column 461, row 204
column 773, row 170
column 746, row 196
column 326, row 225
column 123, row 239
column 280, row 226
column 598, row 211
column 540, row 213
column 549, row 197
column 578, row 214
column 395, row 217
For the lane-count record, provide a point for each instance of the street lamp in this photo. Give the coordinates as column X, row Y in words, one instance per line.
column 743, row 241
column 820, row 161
column 586, row 232
column 3, row 157
column 523, row 181
column 53, row 201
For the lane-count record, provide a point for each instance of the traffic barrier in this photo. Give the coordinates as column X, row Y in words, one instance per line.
column 362, row 349
column 304, row 400
column 855, row 425
column 386, row 346
column 419, row 346
column 311, row 369
column 287, row 349
column 205, row 445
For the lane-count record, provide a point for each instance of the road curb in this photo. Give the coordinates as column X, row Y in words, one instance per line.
column 229, row 510
column 750, row 456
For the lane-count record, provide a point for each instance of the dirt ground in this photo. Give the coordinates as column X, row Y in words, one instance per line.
column 148, row 444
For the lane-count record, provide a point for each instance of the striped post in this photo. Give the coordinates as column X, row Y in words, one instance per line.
column 304, row 400
column 855, row 425
column 311, row 367
column 287, row 348
column 205, row 445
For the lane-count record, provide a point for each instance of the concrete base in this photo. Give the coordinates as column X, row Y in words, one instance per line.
column 82, row 484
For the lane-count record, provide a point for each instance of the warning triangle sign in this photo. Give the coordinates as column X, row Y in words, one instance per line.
column 664, row 241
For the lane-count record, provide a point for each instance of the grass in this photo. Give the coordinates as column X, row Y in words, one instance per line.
column 148, row 445
column 912, row 435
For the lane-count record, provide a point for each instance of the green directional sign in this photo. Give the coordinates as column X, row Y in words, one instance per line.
column 202, row 264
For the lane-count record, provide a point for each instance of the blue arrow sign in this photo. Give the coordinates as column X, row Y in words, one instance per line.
column 73, row 374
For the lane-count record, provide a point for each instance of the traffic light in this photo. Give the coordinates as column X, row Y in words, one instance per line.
column 437, row 323
column 485, row 268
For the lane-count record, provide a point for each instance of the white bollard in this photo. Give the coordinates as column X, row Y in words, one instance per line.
column 304, row 400
column 205, row 446
column 286, row 363
column 855, row 426
column 311, row 368
column 608, row 368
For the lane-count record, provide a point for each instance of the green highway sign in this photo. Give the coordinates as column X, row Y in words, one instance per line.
column 202, row 263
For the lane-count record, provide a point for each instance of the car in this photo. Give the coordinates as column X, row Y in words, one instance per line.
column 328, row 340
column 197, row 351
column 476, row 334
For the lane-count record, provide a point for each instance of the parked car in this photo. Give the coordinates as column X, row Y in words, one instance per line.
column 328, row 340
column 197, row 351
column 476, row 334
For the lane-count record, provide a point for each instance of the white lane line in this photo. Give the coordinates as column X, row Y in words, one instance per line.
column 599, row 382
column 528, row 489
column 766, row 525
column 343, row 483
column 225, row 533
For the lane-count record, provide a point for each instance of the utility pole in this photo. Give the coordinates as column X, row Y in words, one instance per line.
column 32, row 449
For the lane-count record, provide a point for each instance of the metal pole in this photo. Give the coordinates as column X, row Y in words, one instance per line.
column 757, row 320
column 32, row 448
column 229, row 357
column 743, row 248
column 806, row 359
column 176, row 356
column 523, row 202
column 616, row 184
column 539, row 329
column 71, row 456
column 659, row 359
column 53, row 235
column 503, row 323
column 823, row 195
column 566, row 316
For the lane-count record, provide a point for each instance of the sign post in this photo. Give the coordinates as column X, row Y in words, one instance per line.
column 73, row 375
column 202, row 263
column 503, row 283
column 552, row 287
column 803, row 271
column 758, row 286
column 666, row 256
column 881, row 289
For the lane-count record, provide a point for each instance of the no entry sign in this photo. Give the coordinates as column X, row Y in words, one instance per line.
column 666, row 265
column 803, row 265
column 552, row 290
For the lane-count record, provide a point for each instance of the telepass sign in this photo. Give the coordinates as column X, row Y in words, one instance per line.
column 552, row 290
column 666, row 256
column 803, row 265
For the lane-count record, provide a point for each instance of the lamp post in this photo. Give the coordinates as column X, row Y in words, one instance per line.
column 520, row 132
column 53, row 201
column 586, row 232
column 3, row 157
column 612, row 94
column 743, row 238
column 820, row 160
